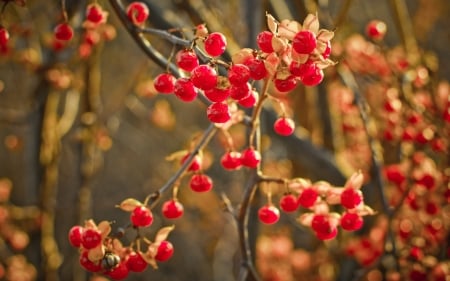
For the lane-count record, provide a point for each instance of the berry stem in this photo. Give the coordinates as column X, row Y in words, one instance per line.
column 257, row 111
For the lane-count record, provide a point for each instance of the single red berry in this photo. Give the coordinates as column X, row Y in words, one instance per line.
column 91, row 238
column 308, row 197
column 264, row 41
column 284, row 126
column 63, row 32
column 119, row 272
column 141, row 216
column 196, row 163
column 326, row 54
column 250, row 100
column 288, row 203
column 394, row 174
column 165, row 83
column 314, row 78
column 304, row 42
column 327, row 235
column 137, row 12
column 186, row 60
column 238, row 92
column 165, row 251
column 75, row 236
column 218, row 112
column 95, row 13
column 185, row 90
column 250, row 158
column 215, row 44
column 172, row 209
column 231, row 160
column 4, row 36
column 323, row 227
column 302, row 69
column 350, row 198
column 257, row 68
column 201, row 183
column 351, row 221
column 88, row 264
column 285, row 85
column 238, row 74
column 220, row 92
column 376, row 29
column 268, row 214
column 204, row 77
column 135, row 262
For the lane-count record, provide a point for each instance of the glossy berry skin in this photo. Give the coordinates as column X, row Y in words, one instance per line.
column 308, row 197
column 91, row 238
column 351, row 221
column 289, row 203
column 185, row 90
column 285, row 85
column 238, row 74
column 250, row 100
column 350, row 198
column 94, row 13
column 284, row 126
column 196, row 163
column 141, row 216
column 313, row 78
column 376, row 29
column 119, row 272
column 135, row 262
column 75, row 236
column 89, row 265
column 186, row 60
column 217, row 94
column 323, row 228
column 200, row 183
column 250, row 158
column 257, row 68
column 165, row 83
column 231, row 160
column 137, row 12
column 172, row 209
column 240, row 92
column 218, row 112
column 268, row 214
column 215, row 44
column 304, row 42
column 302, row 69
column 264, row 41
column 204, row 77
column 165, row 251
column 4, row 36
column 63, row 32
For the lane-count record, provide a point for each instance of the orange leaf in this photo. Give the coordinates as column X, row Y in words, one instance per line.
column 129, row 204
column 163, row 233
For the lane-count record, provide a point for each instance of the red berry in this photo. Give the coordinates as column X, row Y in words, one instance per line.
column 217, row 94
column 351, row 221
column 119, row 272
column 394, row 174
column 327, row 235
column 264, row 41
column 304, row 42
column 165, row 251
column 427, row 180
column 327, row 52
column 141, row 216
column 238, row 74
column 91, row 238
column 323, row 228
column 89, row 265
column 285, row 85
column 135, row 262
column 185, row 90
column 288, row 203
column 302, row 69
column 137, row 12
column 250, row 158
column 75, row 236
column 63, row 32
column 196, row 163
column 284, row 126
column 94, row 13
column 250, row 100
column 204, row 77
column 172, row 209
column 165, row 83
column 4, row 36
column 238, row 92
column 313, row 78
column 218, row 112
column 257, row 68
column 308, row 197
column 186, row 60
column 215, row 44
column 376, row 29
column 268, row 214
column 231, row 160
column 201, row 183
column 350, row 198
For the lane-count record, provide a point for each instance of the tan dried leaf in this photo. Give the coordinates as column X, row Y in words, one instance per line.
column 311, row 23
column 162, row 234
column 242, row 55
column 364, row 210
column 129, row 204
column 272, row 23
column 105, row 228
column 325, row 35
column 90, row 224
column 97, row 253
column 355, row 181
column 306, row 219
column 271, row 63
column 149, row 258
column 279, row 44
column 325, row 63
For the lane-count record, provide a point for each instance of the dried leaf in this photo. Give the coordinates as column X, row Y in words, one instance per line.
column 242, row 56
column 90, row 224
column 306, row 219
column 105, row 228
column 149, row 258
column 163, row 233
column 333, row 196
column 279, row 44
column 364, row 210
column 272, row 23
column 325, row 35
column 177, row 155
column 129, row 204
column 322, row 187
column 325, row 63
column 283, row 74
column 271, row 63
column 299, row 184
column 300, row 58
column 97, row 253
column 311, row 23
column 355, row 181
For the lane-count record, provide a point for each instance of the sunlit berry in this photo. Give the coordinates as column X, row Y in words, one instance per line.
column 394, row 174
column 165, row 251
column 250, row 158
column 204, row 77
column 88, row 264
column 200, row 183
column 135, row 262
column 75, row 236
column 323, row 227
column 137, row 12
column 376, row 29
column 289, row 203
column 257, row 68
column 63, row 32
column 308, row 197
column 218, row 112
column 231, row 160
column 313, row 78
column 351, row 221
column 91, row 238
column 141, row 216
column 172, row 209
column 286, row 84
column 215, row 44
column 4, row 36
column 250, row 100
column 350, row 198
column 186, row 59
column 220, row 92
column 184, row 89
column 196, row 163
column 304, row 42
column 284, row 126
column 268, row 214
column 238, row 92
column 119, row 272
column 95, row 13
column 302, row 69
column 238, row 74
column 165, row 83
column 264, row 41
